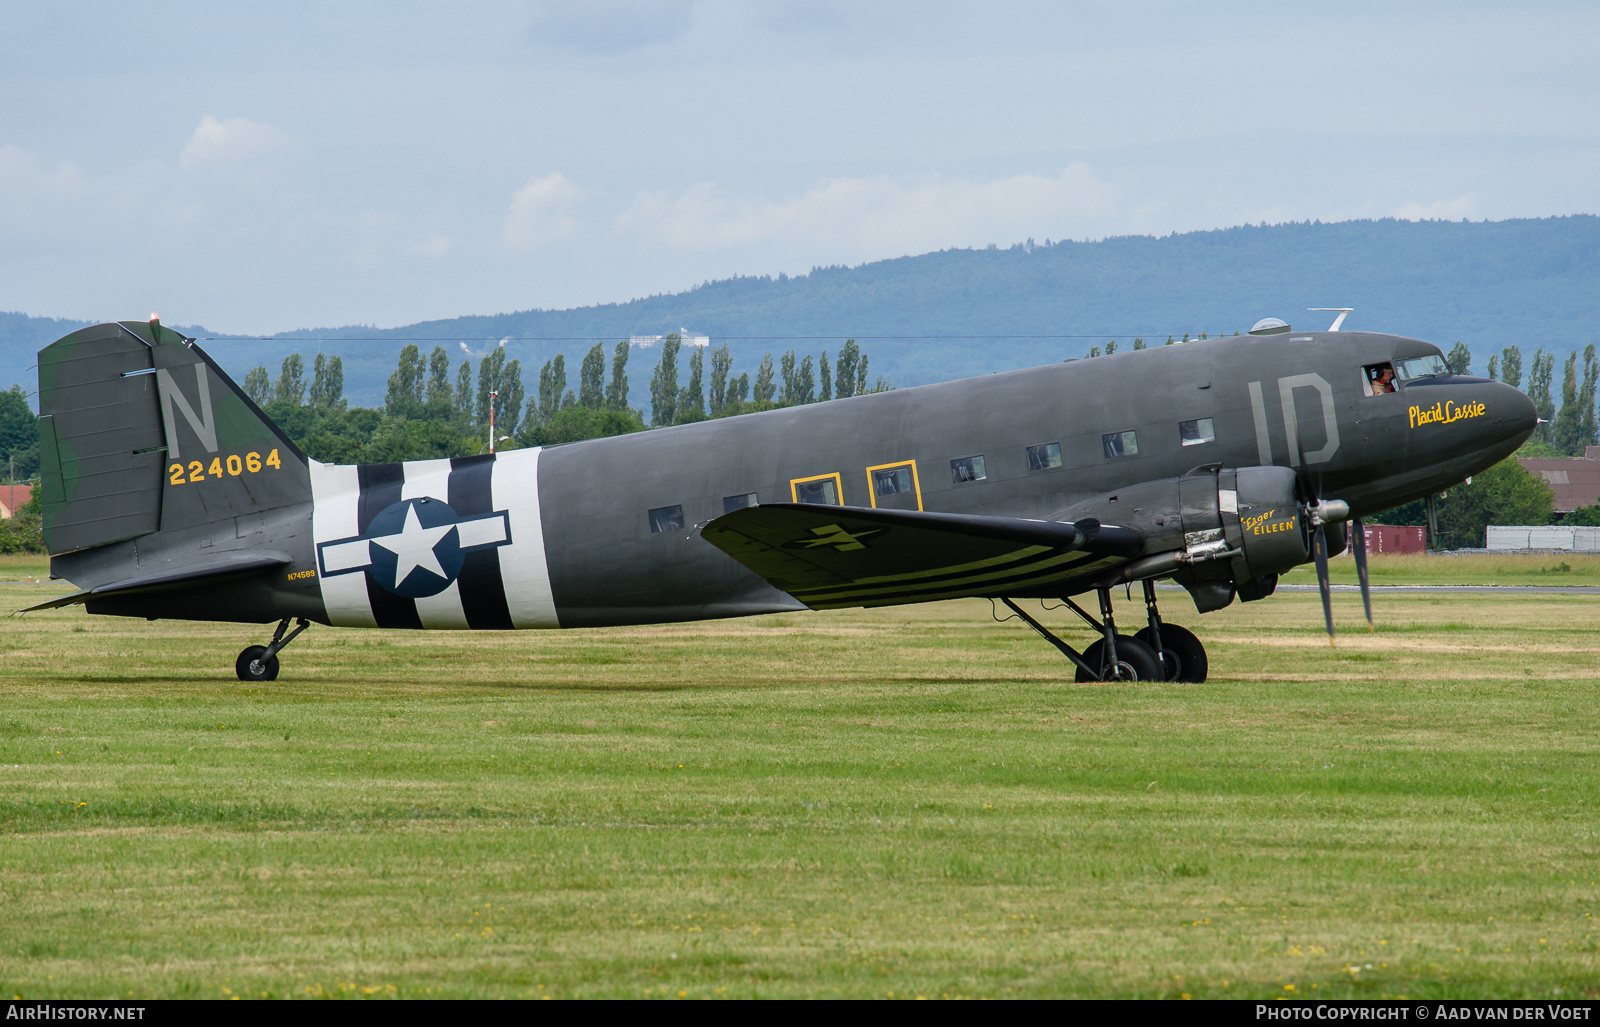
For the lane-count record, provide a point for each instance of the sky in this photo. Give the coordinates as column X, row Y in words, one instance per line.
column 258, row 167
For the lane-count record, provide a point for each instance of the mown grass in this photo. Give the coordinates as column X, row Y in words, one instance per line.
column 908, row 802
column 1462, row 569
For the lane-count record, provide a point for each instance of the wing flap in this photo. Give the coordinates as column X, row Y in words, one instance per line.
column 831, row 556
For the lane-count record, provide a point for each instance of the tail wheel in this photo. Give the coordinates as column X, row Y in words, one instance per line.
column 1135, row 661
column 251, row 667
column 1183, row 657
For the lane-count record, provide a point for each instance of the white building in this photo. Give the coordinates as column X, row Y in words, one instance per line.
column 1577, row 538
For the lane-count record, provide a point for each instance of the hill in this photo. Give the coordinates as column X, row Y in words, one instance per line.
column 1532, row 282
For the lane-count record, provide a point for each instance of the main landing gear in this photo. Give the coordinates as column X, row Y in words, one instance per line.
column 260, row 662
column 1157, row 652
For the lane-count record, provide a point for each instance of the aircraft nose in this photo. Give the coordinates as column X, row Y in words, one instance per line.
column 1514, row 410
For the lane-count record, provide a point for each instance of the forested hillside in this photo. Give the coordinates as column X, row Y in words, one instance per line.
column 1533, row 283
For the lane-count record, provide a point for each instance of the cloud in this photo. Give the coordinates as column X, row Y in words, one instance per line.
column 879, row 215
column 542, row 212
column 232, row 142
column 436, row 246
column 1462, row 206
column 610, row 26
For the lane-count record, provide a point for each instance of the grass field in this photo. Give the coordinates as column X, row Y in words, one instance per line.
column 898, row 803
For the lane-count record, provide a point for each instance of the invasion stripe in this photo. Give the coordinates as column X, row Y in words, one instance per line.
column 1036, row 578
column 1022, row 568
column 381, row 488
column 336, row 494
column 431, row 479
column 483, row 593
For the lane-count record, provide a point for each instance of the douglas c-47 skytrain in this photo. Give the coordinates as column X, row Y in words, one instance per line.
column 1218, row 465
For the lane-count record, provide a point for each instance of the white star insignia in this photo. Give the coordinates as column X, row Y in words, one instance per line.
column 413, row 547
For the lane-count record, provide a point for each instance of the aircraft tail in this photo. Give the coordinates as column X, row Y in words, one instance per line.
column 141, row 432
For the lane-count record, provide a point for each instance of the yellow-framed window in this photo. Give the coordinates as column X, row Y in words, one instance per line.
column 825, row 489
column 884, row 480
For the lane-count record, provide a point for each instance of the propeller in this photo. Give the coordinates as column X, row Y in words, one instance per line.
column 1358, row 543
column 1321, row 513
column 1433, row 521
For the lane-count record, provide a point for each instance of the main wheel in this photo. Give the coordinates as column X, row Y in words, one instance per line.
column 251, row 667
column 1182, row 657
column 1135, row 661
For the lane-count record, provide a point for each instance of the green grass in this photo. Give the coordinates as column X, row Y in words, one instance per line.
column 1463, row 569
column 915, row 802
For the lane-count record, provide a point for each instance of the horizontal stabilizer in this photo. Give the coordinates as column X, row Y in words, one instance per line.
column 832, row 556
column 217, row 568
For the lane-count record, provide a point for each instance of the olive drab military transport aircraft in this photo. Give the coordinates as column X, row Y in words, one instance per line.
column 1217, row 465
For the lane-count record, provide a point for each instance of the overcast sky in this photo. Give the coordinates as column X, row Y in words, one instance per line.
column 265, row 166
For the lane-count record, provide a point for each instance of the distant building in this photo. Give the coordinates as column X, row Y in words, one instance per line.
column 1577, row 539
column 1575, row 479
column 12, row 498
column 1395, row 538
column 688, row 338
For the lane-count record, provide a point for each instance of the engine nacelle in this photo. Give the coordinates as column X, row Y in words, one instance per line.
column 1219, row 532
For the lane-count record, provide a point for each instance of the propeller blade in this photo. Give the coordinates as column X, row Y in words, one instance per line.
column 1319, row 543
column 1433, row 522
column 1358, row 544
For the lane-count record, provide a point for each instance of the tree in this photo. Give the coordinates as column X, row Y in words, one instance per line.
column 827, row 378
column 291, row 387
column 258, row 386
column 327, row 384
column 1504, row 494
column 692, row 401
column 464, row 391
column 1494, row 368
column 439, row 391
column 407, row 383
column 861, row 375
column 617, row 391
column 1111, row 347
column 1511, row 366
column 19, row 433
column 1138, row 343
column 1459, row 359
column 786, row 370
column 1094, row 351
column 1539, row 391
column 1170, row 341
column 1586, row 424
column 500, row 382
column 845, row 370
column 578, row 422
column 1583, row 516
column 664, row 383
column 738, row 390
column 552, row 386
column 805, row 382
column 721, row 364
column 591, row 378
column 1569, row 421
column 764, row 389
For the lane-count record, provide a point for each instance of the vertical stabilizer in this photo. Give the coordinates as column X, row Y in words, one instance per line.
column 141, row 432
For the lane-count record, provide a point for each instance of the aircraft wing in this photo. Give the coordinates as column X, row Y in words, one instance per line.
column 218, row 568
column 831, row 556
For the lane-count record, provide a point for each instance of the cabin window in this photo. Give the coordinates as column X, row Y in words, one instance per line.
column 823, row 489
column 666, row 518
column 891, row 481
column 1120, row 443
column 1378, row 379
column 968, row 468
column 1196, row 432
column 1042, row 458
column 732, row 503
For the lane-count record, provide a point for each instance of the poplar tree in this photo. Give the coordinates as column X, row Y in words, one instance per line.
column 664, row 384
column 617, row 391
column 591, row 378
column 786, row 370
column 805, row 382
column 845, row 370
column 764, row 388
column 1511, row 366
column 464, row 390
column 438, row 376
column 1539, row 373
column 1459, row 359
column 1569, row 421
column 721, row 364
column 827, row 378
column 692, row 401
column 291, row 385
column 258, row 386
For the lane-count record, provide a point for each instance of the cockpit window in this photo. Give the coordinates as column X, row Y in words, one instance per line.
column 1379, row 378
column 1423, row 367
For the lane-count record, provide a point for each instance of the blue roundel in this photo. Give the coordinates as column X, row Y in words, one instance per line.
column 415, row 548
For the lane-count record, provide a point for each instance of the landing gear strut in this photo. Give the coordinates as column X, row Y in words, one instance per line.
column 260, row 662
column 1159, row 652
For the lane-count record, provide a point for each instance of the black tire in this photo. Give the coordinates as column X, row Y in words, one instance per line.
column 265, row 670
column 1187, row 660
column 1134, row 656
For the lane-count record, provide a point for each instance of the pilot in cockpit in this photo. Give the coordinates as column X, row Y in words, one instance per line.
column 1380, row 378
